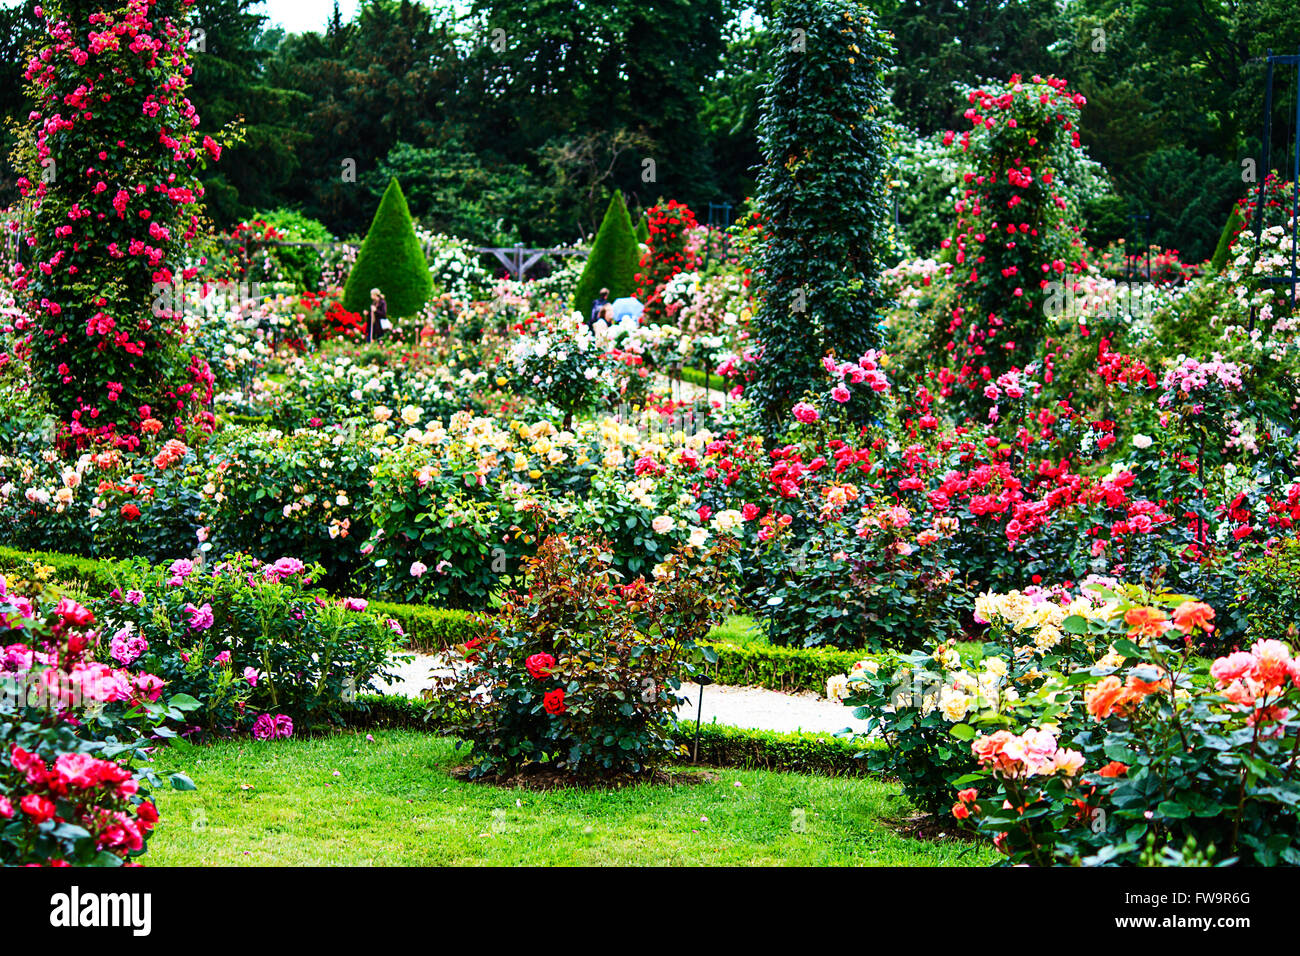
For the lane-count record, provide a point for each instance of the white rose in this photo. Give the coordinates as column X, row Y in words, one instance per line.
column 663, row 524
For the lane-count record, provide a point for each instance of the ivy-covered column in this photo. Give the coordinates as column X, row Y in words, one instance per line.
column 823, row 196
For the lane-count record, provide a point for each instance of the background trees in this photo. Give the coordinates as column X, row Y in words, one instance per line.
column 511, row 120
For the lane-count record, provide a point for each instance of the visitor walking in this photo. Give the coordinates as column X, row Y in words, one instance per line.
column 598, row 306
column 378, row 326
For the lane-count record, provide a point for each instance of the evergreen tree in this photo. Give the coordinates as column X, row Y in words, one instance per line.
column 612, row 263
column 391, row 261
column 822, row 196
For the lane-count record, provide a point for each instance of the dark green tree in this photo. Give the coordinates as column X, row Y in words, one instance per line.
column 229, row 54
column 391, row 261
column 612, row 263
column 451, row 189
column 822, row 196
column 947, row 45
column 18, row 28
column 388, row 77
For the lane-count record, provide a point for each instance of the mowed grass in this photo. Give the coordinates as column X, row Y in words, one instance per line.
column 394, row 802
column 739, row 629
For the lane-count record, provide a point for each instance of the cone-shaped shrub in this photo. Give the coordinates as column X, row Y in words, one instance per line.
column 1230, row 229
column 391, row 261
column 613, row 260
column 642, row 230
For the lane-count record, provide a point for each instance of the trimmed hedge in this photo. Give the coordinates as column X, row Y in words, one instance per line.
column 746, row 749
column 720, row 745
column 92, row 575
column 696, row 377
column 429, row 629
column 780, row 668
column 391, row 260
column 432, row 629
column 612, row 261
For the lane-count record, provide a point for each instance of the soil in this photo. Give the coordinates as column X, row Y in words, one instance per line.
column 930, row 829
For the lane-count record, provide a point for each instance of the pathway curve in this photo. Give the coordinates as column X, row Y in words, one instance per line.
column 752, row 707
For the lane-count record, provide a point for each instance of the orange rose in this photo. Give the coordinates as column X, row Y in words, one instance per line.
column 1103, row 696
column 1146, row 621
column 1190, row 615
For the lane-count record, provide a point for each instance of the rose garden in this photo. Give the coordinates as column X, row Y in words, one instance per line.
column 1021, row 518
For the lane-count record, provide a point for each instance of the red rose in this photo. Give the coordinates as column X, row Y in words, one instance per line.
column 540, row 666
column 130, row 512
column 147, row 814
column 553, row 701
column 38, row 808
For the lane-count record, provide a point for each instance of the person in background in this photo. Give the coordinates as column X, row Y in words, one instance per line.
column 379, row 324
column 598, row 306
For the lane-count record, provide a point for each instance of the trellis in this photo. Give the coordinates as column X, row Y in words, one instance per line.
column 1265, row 154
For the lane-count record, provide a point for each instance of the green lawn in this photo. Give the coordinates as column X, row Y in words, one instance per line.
column 739, row 629
column 393, row 802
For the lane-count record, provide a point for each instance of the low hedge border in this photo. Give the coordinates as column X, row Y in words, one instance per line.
column 696, row 377
column 738, row 748
column 433, row 629
column 788, row 669
column 426, row 628
column 93, row 575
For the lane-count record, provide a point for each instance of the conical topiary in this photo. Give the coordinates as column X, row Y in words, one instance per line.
column 391, row 261
column 1220, row 260
column 613, row 261
column 642, row 230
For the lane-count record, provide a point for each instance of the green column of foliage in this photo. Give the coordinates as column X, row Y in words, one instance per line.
column 390, row 260
column 613, row 260
column 823, row 197
column 642, row 230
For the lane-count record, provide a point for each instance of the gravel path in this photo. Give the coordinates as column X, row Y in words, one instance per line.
column 752, row 707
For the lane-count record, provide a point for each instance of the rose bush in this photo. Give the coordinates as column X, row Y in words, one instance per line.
column 580, row 674
column 248, row 639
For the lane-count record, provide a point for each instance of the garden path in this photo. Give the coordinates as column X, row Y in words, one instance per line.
column 752, row 707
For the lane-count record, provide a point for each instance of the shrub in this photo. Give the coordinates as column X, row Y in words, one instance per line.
column 670, row 252
column 248, row 640
column 1268, row 591
column 1167, row 755
column 923, row 703
column 822, row 197
column 70, row 728
column 580, row 674
column 306, row 493
column 301, row 265
column 612, row 262
column 390, row 260
column 107, row 232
